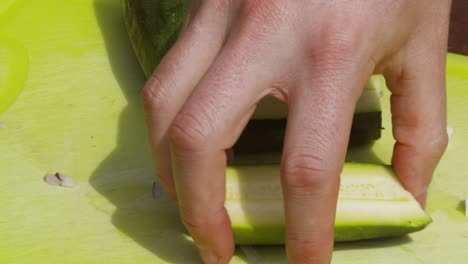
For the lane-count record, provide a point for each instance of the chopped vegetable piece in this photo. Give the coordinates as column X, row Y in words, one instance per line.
column 59, row 179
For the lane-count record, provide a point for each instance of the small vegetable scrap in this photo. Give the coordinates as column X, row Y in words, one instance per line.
column 59, row 179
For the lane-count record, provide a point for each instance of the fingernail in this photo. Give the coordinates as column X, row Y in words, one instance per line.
column 208, row 256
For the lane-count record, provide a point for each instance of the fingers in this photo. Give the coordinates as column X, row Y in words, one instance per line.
column 209, row 123
column 175, row 78
column 418, row 105
column 319, row 121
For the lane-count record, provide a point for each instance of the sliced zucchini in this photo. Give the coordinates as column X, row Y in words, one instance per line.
column 371, row 204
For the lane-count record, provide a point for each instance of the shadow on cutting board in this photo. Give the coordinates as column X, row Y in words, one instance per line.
column 154, row 224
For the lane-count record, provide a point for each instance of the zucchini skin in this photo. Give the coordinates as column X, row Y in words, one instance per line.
column 153, row 27
column 274, row 235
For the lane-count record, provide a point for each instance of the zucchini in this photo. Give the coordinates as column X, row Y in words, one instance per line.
column 153, row 27
column 371, row 204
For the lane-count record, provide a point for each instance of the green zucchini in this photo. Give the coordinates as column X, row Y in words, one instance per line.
column 371, row 204
column 153, row 27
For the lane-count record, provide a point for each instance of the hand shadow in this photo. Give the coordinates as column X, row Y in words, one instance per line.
column 126, row 175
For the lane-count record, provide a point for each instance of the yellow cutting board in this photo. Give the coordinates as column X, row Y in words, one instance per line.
column 69, row 102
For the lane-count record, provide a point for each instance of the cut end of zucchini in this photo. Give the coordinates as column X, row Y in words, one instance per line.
column 371, row 204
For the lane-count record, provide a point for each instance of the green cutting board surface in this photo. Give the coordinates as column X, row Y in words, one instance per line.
column 69, row 102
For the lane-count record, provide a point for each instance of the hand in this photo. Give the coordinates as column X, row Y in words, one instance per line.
column 316, row 56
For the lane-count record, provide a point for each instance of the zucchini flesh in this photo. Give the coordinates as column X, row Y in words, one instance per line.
column 371, row 204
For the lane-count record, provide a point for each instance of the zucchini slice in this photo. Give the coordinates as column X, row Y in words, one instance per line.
column 371, row 204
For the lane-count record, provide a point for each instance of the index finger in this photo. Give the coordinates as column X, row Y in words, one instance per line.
column 210, row 122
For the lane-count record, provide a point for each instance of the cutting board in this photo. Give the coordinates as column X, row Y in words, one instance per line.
column 69, row 102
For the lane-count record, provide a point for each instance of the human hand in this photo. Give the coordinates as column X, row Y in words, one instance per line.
column 316, row 56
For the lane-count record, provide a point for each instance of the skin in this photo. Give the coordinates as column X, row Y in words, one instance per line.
column 316, row 56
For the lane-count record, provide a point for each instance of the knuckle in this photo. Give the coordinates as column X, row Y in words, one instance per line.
column 304, row 171
column 193, row 221
column 188, row 131
column 417, row 134
column 197, row 218
column 154, row 95
column 440, row 143
column 336, row 49
column 340, row 41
